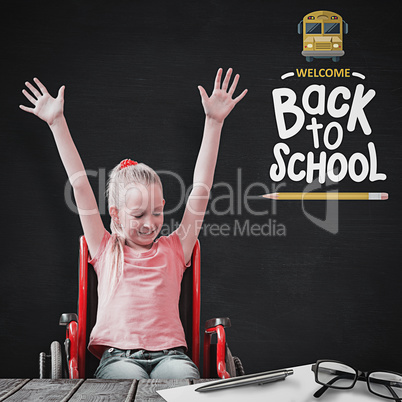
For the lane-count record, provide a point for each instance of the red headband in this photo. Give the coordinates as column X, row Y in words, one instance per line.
column 127, row 162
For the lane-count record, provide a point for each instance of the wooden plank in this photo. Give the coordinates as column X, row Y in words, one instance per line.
column 100, row 390
column 48, row 390
column 146, row 390
column 10, row 385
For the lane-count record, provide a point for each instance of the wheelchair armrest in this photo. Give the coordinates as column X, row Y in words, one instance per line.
column 212, row 326
column 70, row 320
column 66, row 318
column 214, row 322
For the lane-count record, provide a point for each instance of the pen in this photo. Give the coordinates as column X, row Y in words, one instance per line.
column 260, row 378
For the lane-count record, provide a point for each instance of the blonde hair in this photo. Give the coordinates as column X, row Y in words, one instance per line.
column 119, row 180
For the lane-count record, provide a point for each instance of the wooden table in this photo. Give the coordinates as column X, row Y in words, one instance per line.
column 90, row 390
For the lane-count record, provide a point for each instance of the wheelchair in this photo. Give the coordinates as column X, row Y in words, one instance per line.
column 77, row 362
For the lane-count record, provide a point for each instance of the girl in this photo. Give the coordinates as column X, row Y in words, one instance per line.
column 138, row 333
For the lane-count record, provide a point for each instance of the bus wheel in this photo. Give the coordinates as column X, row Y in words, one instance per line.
column 335, row 59
column 309, row 59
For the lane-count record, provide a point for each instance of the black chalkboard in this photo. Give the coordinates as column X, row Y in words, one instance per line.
column 296, row 290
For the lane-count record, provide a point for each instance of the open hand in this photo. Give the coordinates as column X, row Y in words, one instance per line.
column 220, row 103
column 46, row 107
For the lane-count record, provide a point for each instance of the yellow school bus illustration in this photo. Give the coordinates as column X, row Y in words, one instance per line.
column 322, row 35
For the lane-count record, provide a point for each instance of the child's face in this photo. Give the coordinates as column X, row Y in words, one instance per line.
column 141, row 216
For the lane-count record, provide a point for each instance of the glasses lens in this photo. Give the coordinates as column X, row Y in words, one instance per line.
column 386, row 384
column 336, row 375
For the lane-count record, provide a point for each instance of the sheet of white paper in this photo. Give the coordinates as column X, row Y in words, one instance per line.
column 298, row 387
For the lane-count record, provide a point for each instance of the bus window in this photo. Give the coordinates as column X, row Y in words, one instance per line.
column 312, row 28
column 332, row 28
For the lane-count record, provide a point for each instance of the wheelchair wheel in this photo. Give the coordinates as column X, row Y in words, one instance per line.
column 230, row 364
column 234, row 365
column 56, row 361
column 239, row 366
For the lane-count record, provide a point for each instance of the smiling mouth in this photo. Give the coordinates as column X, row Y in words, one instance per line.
column 146, row 234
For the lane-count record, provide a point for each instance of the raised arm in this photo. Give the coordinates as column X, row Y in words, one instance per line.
column 50, row 110
column 217, row 108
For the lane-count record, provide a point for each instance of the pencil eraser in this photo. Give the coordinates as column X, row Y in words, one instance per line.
column 384, row 196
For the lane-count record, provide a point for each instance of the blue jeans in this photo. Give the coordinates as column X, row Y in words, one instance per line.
column 141, row 364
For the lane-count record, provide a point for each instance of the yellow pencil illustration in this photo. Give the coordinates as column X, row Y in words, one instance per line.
column 327, row 196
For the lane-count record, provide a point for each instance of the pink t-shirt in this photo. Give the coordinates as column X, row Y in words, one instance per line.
column 143, row 312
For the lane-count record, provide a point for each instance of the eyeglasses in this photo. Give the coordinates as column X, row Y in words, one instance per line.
column 334, row 374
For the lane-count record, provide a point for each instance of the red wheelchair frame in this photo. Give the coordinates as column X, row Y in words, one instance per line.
column 77, row 334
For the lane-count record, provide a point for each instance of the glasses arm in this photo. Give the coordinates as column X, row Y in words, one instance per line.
column 386, row 385
column 393, row 393
column 320, row 391
column 331, row 382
